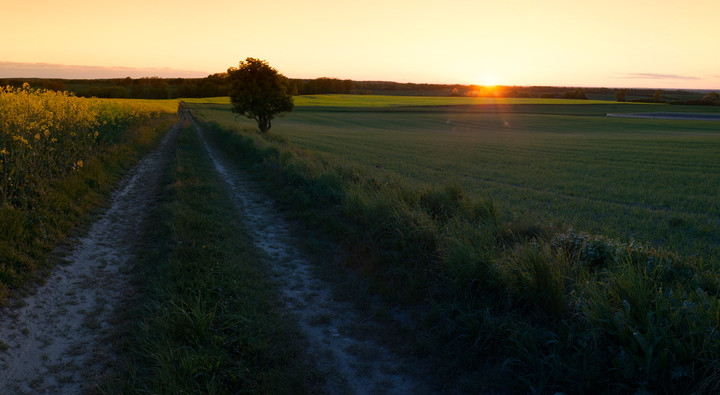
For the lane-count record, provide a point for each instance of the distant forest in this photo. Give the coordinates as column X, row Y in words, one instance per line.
column 217, row 85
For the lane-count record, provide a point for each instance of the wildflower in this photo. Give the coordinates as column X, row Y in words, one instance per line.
column 79, row 163
column 21, row 139
column 37, row 136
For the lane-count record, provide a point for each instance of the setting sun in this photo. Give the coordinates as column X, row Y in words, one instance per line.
column 521, row 42
column 489, row 80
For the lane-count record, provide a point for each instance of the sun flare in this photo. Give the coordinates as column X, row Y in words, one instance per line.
column 489, row 80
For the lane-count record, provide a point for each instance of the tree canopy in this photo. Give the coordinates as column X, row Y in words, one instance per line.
column 259, row 92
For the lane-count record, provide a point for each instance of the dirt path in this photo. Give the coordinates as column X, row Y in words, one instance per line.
column 352, row 361
column 58, row 340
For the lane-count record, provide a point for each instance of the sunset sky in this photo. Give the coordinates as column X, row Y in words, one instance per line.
column 628, row 43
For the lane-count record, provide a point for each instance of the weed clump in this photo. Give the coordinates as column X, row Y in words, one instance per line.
column 592, row 251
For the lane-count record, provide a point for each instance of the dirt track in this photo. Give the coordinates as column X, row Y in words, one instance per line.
column 352, row 361
column 58, row 338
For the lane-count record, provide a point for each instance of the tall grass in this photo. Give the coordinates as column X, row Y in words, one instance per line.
column 59, row 156
column 552, row 310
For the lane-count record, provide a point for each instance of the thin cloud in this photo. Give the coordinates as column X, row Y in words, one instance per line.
column 657, row 76
column 48, row 70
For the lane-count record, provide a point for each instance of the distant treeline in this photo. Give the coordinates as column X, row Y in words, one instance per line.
column 135, row 88
column 218, row 85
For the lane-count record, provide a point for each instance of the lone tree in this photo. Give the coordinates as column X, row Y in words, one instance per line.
column 657, row 96
column 259, row 92
column 620, row 94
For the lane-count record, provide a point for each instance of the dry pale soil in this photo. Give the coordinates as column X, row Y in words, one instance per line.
column 352, row 360
column 57, row 340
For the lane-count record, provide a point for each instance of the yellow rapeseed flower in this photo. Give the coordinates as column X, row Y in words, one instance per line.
column 55, row 122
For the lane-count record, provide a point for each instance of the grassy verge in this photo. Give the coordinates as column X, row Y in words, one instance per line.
column 29, row 233
column 653, row 180
column 209, row 321
column 551, row 310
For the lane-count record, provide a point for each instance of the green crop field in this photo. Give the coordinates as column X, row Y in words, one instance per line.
column 169, row 105
column 467, row 208
column 375, row 101
column 558, row 161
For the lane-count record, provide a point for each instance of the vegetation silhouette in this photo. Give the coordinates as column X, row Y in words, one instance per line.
column 259, row 92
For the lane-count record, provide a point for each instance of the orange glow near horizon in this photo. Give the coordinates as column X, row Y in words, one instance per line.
column 613, row 43
column 490, row 80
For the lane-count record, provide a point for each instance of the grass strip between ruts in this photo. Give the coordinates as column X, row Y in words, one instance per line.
column 209, row 321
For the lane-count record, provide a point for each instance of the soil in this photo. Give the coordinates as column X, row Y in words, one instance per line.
column 58, row 340
column 348, row 355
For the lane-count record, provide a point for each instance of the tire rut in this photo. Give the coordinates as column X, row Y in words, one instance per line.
column 352, row 363
column 59, row 339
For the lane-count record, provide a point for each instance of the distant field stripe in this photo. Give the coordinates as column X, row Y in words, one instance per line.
column 591, row 199
column 670, row 115
column 386, row 101
column 359, row 101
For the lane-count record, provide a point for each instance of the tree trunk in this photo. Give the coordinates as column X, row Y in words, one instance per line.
column 263, row 124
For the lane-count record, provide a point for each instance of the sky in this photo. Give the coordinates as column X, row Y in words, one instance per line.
column 625, row 43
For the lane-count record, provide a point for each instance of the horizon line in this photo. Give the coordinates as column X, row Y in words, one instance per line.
column 45, row 70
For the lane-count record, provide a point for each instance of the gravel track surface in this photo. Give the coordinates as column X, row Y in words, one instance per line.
column 58, row 339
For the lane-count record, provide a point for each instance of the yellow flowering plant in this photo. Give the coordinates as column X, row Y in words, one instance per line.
column 45, row 134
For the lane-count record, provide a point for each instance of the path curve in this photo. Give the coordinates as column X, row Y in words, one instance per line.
column 57, row 341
